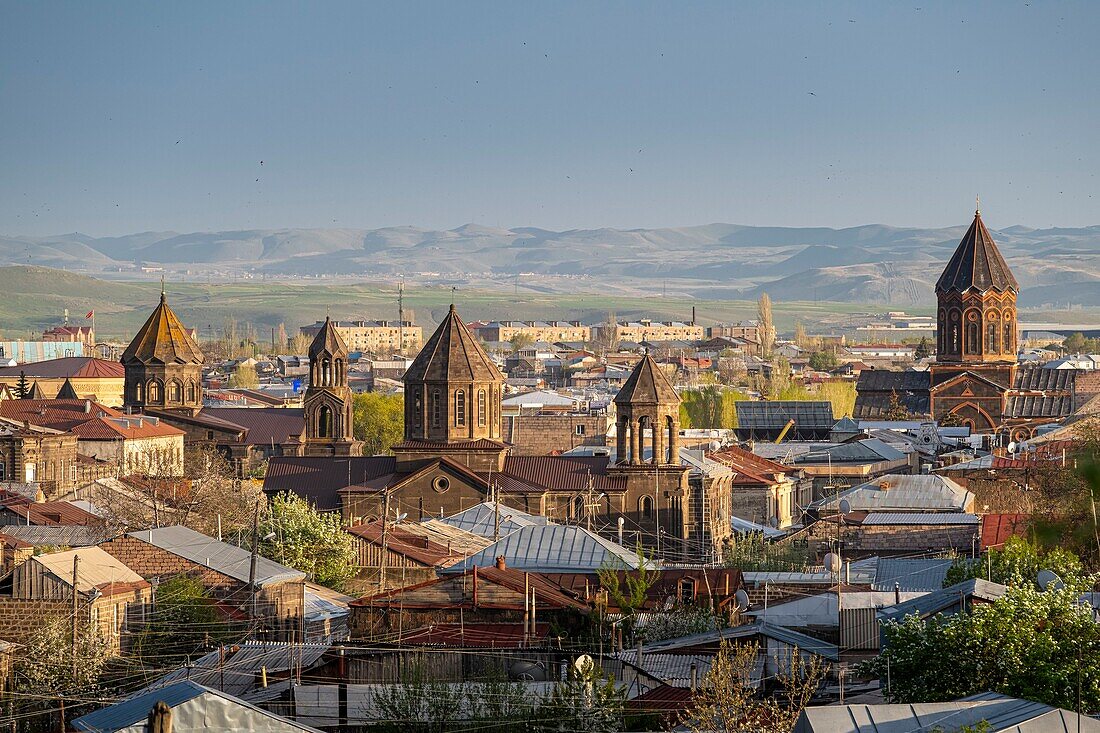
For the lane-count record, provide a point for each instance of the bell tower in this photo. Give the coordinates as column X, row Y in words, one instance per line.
column 328, row 400
column 163, row 365
column 975, row 365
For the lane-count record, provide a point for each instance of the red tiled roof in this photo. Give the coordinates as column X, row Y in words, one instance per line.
column 566, row 473
column 55, row 414
column 47, row 513
column 751, row 468
column 415, row 547
column 115, row 588
column 85, row 367
column 490, row 635
column 997, row 528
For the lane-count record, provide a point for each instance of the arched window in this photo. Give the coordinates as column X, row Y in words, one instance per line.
column 1008, row 344
column 190, row 391
column 481, row 408
column 460, row 407
column 941, row 331
column 578, row 507
column 338, row 377
column 973, row 340
column 324, row 422
column 154, row 391
column 435, row 408
column 326, row 372
column 139, row 392
column 646, row 506
column 175, row 391
column 418, row 406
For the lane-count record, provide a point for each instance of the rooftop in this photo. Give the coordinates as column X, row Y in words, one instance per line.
column 221, row 557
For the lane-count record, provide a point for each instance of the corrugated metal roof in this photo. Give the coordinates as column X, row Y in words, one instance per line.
column 893, row 518
column 902, row 493
column 553, row 548
column 999, row 712
column 96, row 568
column 910, row 574
column 779, row 633
column 774, row 414
column 265, row 425
column 219, row 556
column 672, row 669
column 937, row 601
column 480, row 519
column 222, row 712
column 66, row 536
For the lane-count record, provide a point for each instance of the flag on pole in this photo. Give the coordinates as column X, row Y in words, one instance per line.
column 90, row 314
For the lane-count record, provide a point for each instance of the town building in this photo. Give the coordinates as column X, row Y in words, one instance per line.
column 976, row 379
column 25, row 352
column 84, row 335
column 163, row 365
column 747, row 330
column 453, row 457
column 647, row 330
column 550, row 331
column 373, row 337
column 91, row 378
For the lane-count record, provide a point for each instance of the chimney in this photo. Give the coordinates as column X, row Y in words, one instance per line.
column 501, row 565
column 897, row 592
column 87, row 406
column 160, row 718
column 694, row 677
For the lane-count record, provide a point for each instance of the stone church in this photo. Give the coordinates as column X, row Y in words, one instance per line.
column 976, row 379
column 452, row 456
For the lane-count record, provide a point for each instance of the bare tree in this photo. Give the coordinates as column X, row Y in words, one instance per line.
column 766, row 329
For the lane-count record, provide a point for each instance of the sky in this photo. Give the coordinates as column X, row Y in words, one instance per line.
column 133, row 116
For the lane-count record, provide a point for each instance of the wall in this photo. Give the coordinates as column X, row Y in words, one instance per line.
column 542, row 434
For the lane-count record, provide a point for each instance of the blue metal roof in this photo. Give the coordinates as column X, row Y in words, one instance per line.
column 218, row 556
column 552, row 548
column 942, row 600
column 910, row 574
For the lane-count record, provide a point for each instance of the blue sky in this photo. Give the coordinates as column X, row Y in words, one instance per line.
column 124, row 117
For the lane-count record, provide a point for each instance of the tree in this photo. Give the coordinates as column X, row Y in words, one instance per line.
column 22, row 387
column 897, row 409
column 627, row 589
column 800, row 338
column 726, row 702
column 709, row 407
column 521, row 341
column 1042, row 646
column 299, row 343
column 841, row 395
column 766, row 327
column 46, row 669
column 308, row 540
column 378, row 420
column 584, row 701
column 1075, row 343
column 186, row 621
column 244, row 377
column 823, row 361
column 1017, row 564
column 923, row 350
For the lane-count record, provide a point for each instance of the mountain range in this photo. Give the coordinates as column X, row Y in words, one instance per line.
column 868, row 264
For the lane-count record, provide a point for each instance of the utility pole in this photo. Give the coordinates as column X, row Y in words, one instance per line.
column 76, row 566
column 252, row 560
column 401, row 318
column 385, row 538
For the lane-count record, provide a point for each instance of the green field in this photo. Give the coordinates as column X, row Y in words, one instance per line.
column 36, row 297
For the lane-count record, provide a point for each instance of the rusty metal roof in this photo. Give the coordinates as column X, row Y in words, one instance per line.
column 163, row 339
column 82, row 367
column 568, row 473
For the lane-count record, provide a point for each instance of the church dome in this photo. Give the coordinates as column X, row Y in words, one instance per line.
column 647, row 385
column 452, row 354
column 163, row 340
column 977, row 264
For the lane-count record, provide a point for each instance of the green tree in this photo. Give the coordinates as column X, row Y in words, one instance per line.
column 520, row 341
column 1041, row 646
column 766, row 326
column 923, row 350
column 709, row 407
column 823, row 361
column 1017, row 564
column 46, row 669
column 841, row 395
column 585, row 701
column 1075, row 343
column 185, row 622
column 378, row 420
column 897, row 409
column 244, row 377
column 22, row 387
column 308, row 540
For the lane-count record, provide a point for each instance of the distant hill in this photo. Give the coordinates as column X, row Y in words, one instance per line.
column 865, row 264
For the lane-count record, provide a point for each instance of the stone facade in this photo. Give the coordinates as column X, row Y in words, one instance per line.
column 48, row 457
column 542, row 433
column 163, row 365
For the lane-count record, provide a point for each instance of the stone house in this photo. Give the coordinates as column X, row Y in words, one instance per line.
column 277, row 603
column 111, row 599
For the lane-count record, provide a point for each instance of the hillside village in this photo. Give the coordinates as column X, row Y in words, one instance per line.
column 624, row 525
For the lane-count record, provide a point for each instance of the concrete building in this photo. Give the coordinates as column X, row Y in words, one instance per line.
column 373, row 337
column 648, row 330
column 550, row 331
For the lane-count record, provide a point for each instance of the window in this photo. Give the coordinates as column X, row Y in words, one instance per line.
column 209, row 434
column 973, row 343
column 326, row 372
column 190, row 391
column 418, row 406
column 175, row 392
column 991, row 337
column 1008, row 344
column 579, row 430
column 460, row 408
column 646, row 505
column 435, row 408
column 481, row 408
column 324, row 422
column 139, row 392
column 154, row 391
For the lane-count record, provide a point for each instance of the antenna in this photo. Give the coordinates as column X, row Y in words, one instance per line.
column 401, row 318
column 977, row 204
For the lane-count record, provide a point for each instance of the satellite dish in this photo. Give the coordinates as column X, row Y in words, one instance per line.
column 773, row 522
column 845, row 506
column 741, row 599
column 1049, row 580
column 832, row 562
column 401, row 517
column 583, row 665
